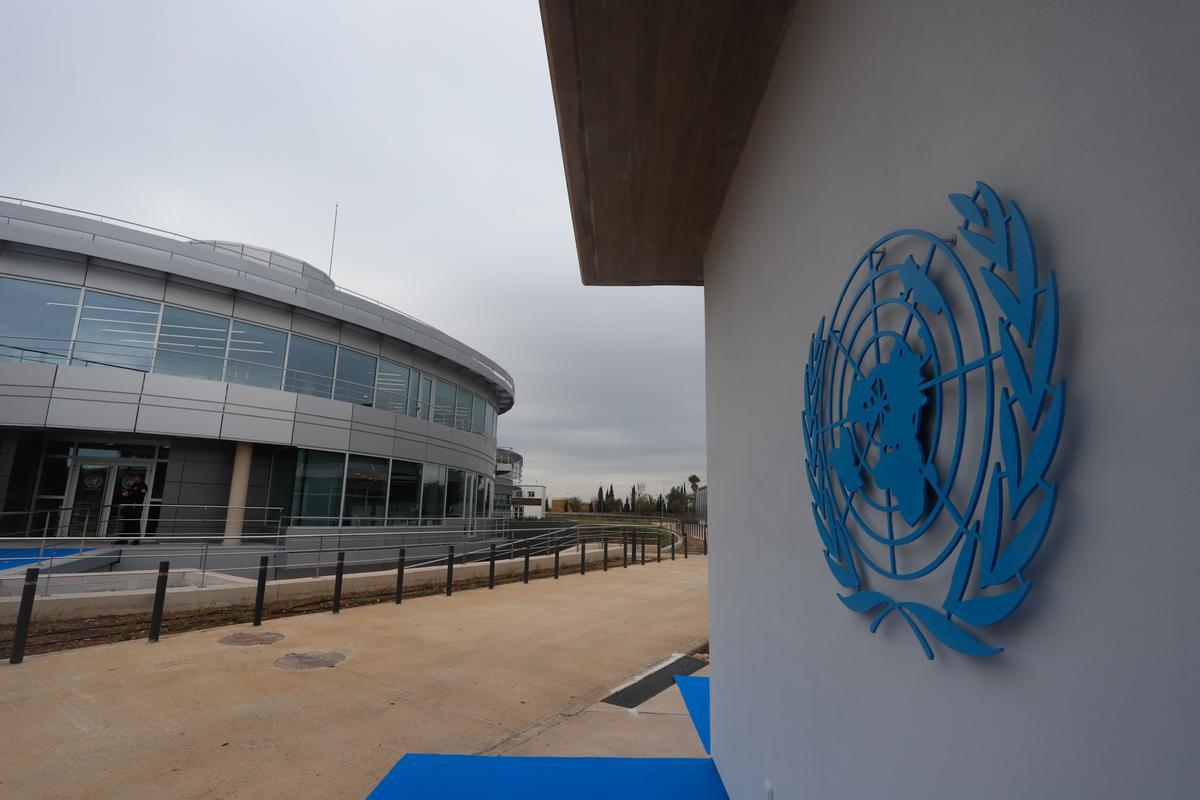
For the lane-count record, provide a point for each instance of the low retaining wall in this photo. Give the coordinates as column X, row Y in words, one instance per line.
column 232, row 591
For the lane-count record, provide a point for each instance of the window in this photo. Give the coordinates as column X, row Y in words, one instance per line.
column 116, row 331
column 310, row 367
column 443, row 403
column 489, row 425
column 469, row 494
column 414, row 380
column 36, row 321
column 426, row 389
column 478, row 412
column 366, row 491
column 404, row 499
column 355, row 377
column 317, row 493
column 191, row 344
column 462, row 410
column 481, row 496
column 455, row 492
column 256, row 355
column 433, row 495
column 392, row 387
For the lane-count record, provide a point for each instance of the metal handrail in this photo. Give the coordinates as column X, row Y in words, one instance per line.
column 506, row 544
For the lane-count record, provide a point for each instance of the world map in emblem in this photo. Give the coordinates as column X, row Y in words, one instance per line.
column 931, row 418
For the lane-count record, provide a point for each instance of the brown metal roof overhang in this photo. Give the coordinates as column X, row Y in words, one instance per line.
column 655, row 101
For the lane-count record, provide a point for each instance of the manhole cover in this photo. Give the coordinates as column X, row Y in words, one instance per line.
column 310, row 660
column 246, row 639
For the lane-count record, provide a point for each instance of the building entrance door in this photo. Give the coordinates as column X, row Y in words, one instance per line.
column 110, row 498
column 127, row 505
column 89, row 505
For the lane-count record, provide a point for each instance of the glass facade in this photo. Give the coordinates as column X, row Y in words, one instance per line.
column 392, row 387
column 462, row 410
column 116, row 331
column 191, row 344
column 424, row 405
column 355, row 378
column 404, row 494
column 317, row 491
column 373, row 491
column 365, row 500
column 456, row 492
column 49, row 323
column 36, row 321
column 256, row 355
column 310, row 367
column 433, row 494
column 477, row 415
column 443, row 403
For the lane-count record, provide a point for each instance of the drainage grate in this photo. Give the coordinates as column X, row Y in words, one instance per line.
column 247, row 639
column 635, row 694
column 329, row 658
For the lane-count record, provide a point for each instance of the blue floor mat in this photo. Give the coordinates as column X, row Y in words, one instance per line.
column 28, row 556
column 695, row 693
column 544, row 778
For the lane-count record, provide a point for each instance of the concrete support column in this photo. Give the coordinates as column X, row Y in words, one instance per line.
column 239, row 484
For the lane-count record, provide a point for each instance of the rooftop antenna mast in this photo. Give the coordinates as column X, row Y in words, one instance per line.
column 333, row 239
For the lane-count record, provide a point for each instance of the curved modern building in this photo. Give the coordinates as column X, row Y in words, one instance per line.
column 153, row 384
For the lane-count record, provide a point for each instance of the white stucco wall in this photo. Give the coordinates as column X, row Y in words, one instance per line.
column 1089, row 115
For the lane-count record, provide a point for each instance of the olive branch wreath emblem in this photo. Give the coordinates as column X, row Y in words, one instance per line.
column 1029, row 410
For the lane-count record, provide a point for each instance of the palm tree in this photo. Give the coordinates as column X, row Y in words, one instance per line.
column 694, row 480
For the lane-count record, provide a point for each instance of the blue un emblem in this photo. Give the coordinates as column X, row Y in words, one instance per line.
column 930, row 421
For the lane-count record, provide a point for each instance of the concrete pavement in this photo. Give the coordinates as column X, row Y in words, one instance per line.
column 482, row 671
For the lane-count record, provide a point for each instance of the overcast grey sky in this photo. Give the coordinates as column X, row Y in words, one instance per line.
column 433, row 124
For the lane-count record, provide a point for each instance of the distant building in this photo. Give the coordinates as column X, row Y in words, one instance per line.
column 508, row 464
column 529, row 502
column 508, row 475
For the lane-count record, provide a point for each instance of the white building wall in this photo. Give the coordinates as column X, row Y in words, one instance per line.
column 1088, row 114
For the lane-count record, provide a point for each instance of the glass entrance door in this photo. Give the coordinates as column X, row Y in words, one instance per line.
column 127, row 504
column 89, row 506
column 110, row 498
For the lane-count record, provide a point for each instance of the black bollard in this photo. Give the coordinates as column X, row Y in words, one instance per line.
column 525, row 579
column 643, row 550
column 337, row 582
column 556, row 551
column 24, row 613
column 605, row 555
column 672, row 545
column 260, row 594
column 658, row 547
column 685, row 543
column 624, row 550
column 583, row 558
column 400, row 576
column 706, row 541
column 160, row 598
column 450, row 572
column 492, row 568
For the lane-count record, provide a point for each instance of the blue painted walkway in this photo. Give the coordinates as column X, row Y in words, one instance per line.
column 542, row 778
column 695, row 697
column 546, row 778
column 28, row 556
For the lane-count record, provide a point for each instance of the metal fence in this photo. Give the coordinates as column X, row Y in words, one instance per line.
column 321, row 553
